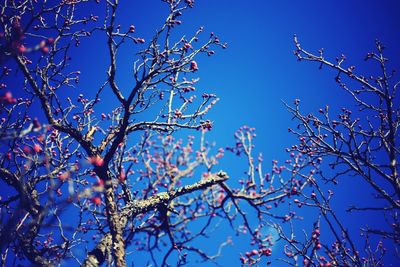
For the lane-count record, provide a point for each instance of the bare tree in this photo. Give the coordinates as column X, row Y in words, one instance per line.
column 87, row 183
column 89, row 187
column 354, row 144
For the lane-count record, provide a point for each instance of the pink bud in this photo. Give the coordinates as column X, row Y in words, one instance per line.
column 97, row 161
column 96, row 200
column 44, row 49
column 254, row 252
column 193, row 66
column 26, row 150
column 37, row 148
column 21, row 48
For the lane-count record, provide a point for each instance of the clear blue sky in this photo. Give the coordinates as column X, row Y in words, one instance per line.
column 258, row 70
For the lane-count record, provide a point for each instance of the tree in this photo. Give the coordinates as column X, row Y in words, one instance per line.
column 90, row 183
column 77, row 174
column 360, row 143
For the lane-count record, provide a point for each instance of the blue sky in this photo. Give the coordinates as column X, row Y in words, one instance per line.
column 258, row 70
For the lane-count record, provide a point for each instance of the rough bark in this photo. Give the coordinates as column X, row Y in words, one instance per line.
column 97, row 256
